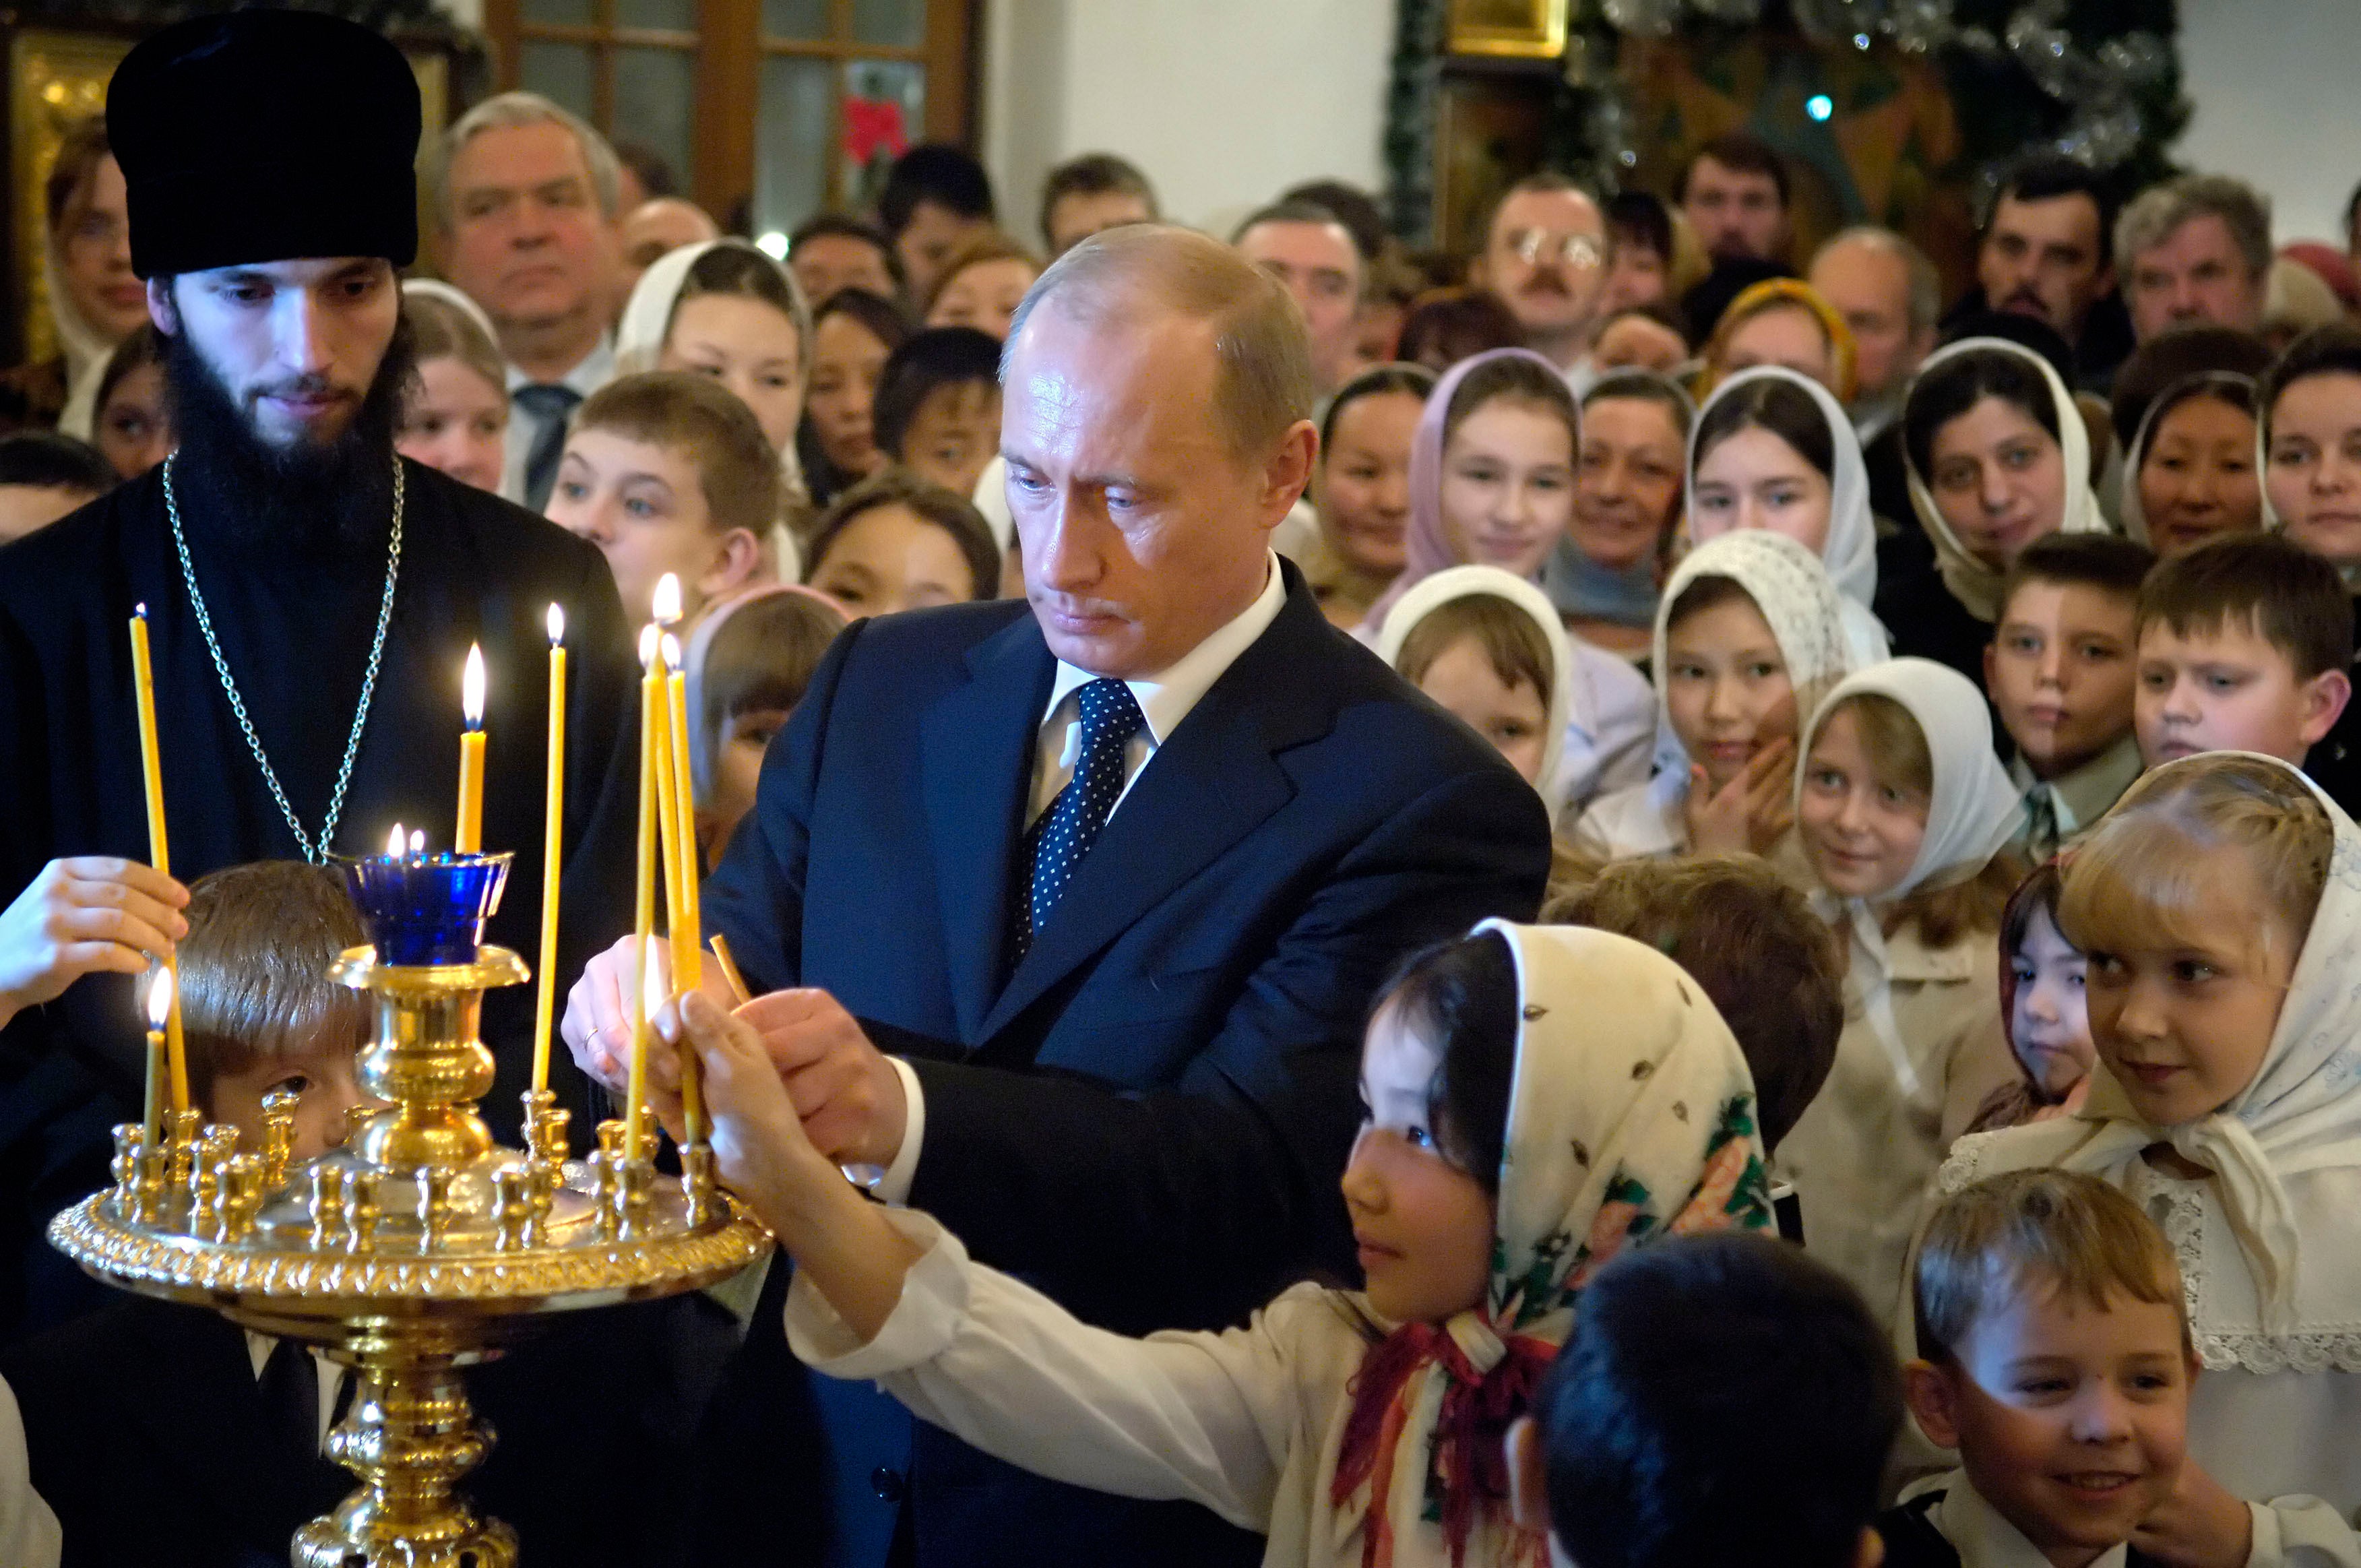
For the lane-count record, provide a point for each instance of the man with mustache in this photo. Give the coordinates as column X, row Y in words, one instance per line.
column 2046, row 253
column 1545, row 254
column 309, row 597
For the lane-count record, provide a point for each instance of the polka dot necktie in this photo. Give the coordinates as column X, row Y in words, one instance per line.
column 1065, row 832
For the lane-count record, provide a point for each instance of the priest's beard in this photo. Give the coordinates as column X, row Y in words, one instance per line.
column 335, row 495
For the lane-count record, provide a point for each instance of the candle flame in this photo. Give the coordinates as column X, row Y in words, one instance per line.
column 672, row 650
column 668, row 599
column 471, row 688
column 395, row 841
column 649, row 645
column 556, row 624
column 418, row 840
column 140, row 609
column 160, row 997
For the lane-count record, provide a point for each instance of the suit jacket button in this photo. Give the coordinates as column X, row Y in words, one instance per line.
column 886, row 1484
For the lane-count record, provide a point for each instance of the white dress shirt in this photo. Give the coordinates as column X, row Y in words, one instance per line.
column 1165, row 698
column 593, row 372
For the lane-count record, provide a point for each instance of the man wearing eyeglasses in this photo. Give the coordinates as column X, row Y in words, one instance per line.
column 1545, row 254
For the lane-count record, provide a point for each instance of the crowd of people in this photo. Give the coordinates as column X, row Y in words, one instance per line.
column 1786, row 844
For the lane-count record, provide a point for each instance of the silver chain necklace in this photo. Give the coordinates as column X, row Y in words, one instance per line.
column 316, row 855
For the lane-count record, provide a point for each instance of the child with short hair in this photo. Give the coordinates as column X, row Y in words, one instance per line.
column 1489, row 647
column 747, row 665
column 2043, row 1007
column 1541, row 1100
column 666, row 471
column 1750, row 636
column 896, row 542
column 2059, row 670
column 937, row 408
column 2220, row 914
column 1905, row 816
column 2245, row 644
column 1750, row 941
column 2055, row 1355
column 44, row 476
column 1722, row 1400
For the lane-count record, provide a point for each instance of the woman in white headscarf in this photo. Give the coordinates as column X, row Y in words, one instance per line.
column 2248, row 1152
column 1997, row 456
column 1713, row 696
column 94, row 301
column 723, row 309
column 1774, row 450
column 1352, row 1429
column 1905, row 815
column 1489, row 646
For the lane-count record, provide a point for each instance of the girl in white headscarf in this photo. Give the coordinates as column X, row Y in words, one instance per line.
column 1750, row 636
column 723, row 309
column 1489, row 647
column 1997, row 456
column 1905, row 813
column 1774, row 450
column 1541, row 1100
column 2220, row 905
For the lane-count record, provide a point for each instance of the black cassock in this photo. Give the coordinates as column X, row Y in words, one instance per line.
column 295, row 623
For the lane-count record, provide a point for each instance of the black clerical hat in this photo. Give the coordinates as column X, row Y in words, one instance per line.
column 266, row 136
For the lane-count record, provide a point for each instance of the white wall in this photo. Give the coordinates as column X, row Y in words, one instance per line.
column 1222, row 103
column 2272, row 82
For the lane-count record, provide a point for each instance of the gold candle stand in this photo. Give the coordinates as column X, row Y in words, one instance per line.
column 418, row 1249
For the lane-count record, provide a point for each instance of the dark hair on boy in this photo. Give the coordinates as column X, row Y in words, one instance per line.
column 1679, row 1347
column 1461, row 995
column 937, row 356
column 1445, row 327
column 838, row 225
column 763, row 655
column 1092, row 174
column 946, row 510
column 253, row 966
column 1750, row 941
column 2291, row 598
column 2100, row 561
column 46, row 460
column 2045, row 177
column 1641, row 217
column 2332, row 350
column 2049, row 1231
column 1740, row 153
column 736, row 465
column 932, row 172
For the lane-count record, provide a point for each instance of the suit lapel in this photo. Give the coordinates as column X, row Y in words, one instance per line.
column 1211, row 783
column 975, row 751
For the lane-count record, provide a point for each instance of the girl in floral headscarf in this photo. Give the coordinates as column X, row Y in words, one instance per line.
column 1540, row 1100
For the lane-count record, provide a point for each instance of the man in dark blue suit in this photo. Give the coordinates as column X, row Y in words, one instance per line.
column 1114, row 876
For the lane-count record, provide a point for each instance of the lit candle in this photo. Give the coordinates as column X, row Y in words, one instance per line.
column 643, row 891
column 687, row 930
column 552, row 847
column 159, row 854
column 417, row 842
column 396, row 843
column 163, row 1003
column 469, row 839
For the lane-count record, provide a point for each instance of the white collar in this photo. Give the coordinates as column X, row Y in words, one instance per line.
column 1166, row 697
column 1985, row 1540
column 597, row 368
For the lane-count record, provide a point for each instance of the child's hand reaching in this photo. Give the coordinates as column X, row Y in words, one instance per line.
column 2201, row 1525
column 840, row 1240
column 1748, row 813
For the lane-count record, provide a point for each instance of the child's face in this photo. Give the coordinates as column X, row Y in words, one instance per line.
column 455, row 423
column 750, row 346
column 889, row 558
column 953, row 435
column 846, row 359
column 2060, row 670
column 2184, row 1026
column 737, row 769
column 2072, row 1423
column 1753, row 478
column 1726, row 687
column 1514, row 719
column 134, row 427
column 321, row 1074
column 2228, row 689
column 1861, row 833
column 1508, row 486
column 1998, row 478
column 2050, row 1023
column 643, row 507
column 2315, row 465
column 1424, row 1226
